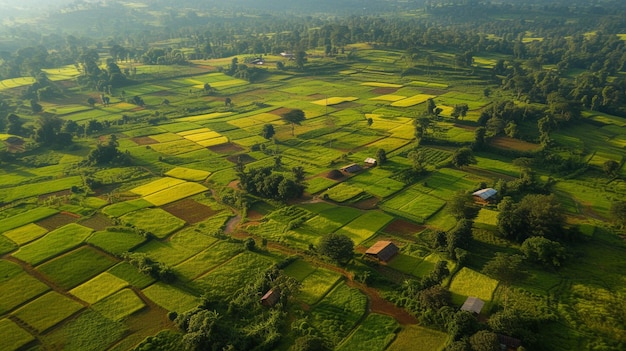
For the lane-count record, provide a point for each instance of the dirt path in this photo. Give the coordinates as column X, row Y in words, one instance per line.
column 232, row 224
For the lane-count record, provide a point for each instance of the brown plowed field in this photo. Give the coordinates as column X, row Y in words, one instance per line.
column 56, row 221
column 225, row 148
column 97, row 222
column 189, row 210
column 280, row 111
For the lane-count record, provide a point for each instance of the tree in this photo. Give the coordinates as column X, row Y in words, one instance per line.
column 35, row 107
column 545, row 251
column 47, row 129
column 370, row 121
column 310, row 343
column 479, row 138
column 91, row 101
column 460, row 110
column 294, row 117
column 459, row 205
column 618, row 212
column 298, row 174
column 381, row 156
column 228, row 102
column 506, row 268
column 463, row 324
column 268, row 131
column 337, row 247
column 484, row 340
column 431, row 106
column 300, row 59
column 207, row 87
column 463, row 157
column 610, row 167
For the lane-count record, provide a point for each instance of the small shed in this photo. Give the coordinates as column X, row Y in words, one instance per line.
column 370, row 162
column 383, row 250
column 484, row 195
column 473, row 304
column 270, row 298
column 352, row 168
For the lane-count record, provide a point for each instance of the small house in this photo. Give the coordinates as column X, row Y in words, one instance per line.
column 484, row 195
column 371, row 162
column 352, row 168
column 270, row 298
column 382, row 250
column 258, row 61
column 473, row 304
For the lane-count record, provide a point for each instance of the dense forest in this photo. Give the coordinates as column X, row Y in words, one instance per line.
column 190, row 175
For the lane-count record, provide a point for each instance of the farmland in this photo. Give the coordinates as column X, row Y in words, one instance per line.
column 134, row 209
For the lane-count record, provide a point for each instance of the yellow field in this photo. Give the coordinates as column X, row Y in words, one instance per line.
column 190, row 174
column 468, row 282
column 155, row 186
column 62, row 73
column 335, row 100
column 404, row 131
column 99, row 287
column 16, row 82
column 175, row 193
column 166, row 137
column 194, row 131
column 622, row 36
column 381, row 85
column 245, row 122
column 202, row 136
column 413, row 100
column 392, row 98
column 266, row 117
column 213, row 142
column 204, row 117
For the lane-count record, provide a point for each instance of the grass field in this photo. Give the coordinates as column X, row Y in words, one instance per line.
column 338, row 312
column 170, row 297
column 342, row 192
column 119, row 305
column 468, row 282
column 13, row 337
column 17, row 286
column 131, row 275
column 76, row 267
column 365, row 226
column 98, row 288
column 193, row 175
column 116, row 242
column 375, row 333
column 54, row 243
column 413, row 337
column 156, row 186
column 144, row 220
column 174, row 193
column 413, row 204
column 57, row 307
column 122, row 208
column 25, row 218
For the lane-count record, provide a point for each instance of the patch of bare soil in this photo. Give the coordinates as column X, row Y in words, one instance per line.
column 58, row 220
column 367, row 204
column 54, row 194
column 280, row 111
column 254, row 215
column 384, row 91
column 98, row 222
column 225, row 148
column 402, row 227
column 144, row 140
column 189, row 210
column 335, row 174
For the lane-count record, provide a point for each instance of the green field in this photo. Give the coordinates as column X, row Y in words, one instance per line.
column 171, row 298
column 468, row 282
column 98, row 288
column 54, row 243
column 13, row 336
column 337, row 313
column 119, row 305
column 375, row 333
column 57, row 307
column 76, row 267
column 418, row 338
column 145, row 220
